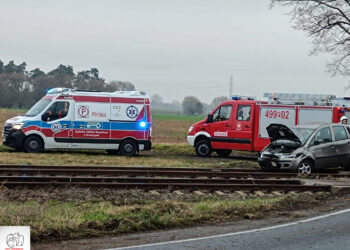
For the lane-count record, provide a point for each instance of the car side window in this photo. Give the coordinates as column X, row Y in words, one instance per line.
column 339, row 133
column 56, row 111
column 223, row 113
column 322, row 136
column 243, row 112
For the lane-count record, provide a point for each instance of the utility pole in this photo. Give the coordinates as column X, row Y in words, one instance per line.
column 231, row 86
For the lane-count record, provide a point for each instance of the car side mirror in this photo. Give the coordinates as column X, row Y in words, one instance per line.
column 317, row 142
column 210, row 118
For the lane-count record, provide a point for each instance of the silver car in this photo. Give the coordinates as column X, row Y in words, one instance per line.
column 305, row 148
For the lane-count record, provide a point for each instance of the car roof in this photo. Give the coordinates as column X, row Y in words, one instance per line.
column 315, row 125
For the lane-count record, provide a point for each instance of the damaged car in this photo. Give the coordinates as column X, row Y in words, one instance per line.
column 306, row 148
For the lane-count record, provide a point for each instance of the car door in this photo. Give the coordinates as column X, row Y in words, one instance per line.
column 343, row 143
column 324, row 148
column 56, row 125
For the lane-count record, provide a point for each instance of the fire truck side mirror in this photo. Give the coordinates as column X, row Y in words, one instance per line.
column 210, row 118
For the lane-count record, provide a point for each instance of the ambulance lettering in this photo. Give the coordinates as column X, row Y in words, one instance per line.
column 218, row 133
column 116, row 110
column 83, row 111
column 99, row 114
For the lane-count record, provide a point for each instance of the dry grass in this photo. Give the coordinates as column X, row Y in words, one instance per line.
column 52, row 219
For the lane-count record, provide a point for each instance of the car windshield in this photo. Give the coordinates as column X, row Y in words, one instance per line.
column 303, row 133
column 38, row 107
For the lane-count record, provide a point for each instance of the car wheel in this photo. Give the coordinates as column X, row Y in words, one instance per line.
column 305, row 167
column 128, row 148
column 223, row 152
column 203, row 148
column 33, row 144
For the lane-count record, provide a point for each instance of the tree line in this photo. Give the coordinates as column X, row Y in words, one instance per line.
column 21, row 88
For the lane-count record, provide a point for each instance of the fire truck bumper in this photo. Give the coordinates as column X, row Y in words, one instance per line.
column 190, row 139
column 285, row 164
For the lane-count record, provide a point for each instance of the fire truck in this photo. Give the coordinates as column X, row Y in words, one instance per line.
column 72, row 119
column 240, row 123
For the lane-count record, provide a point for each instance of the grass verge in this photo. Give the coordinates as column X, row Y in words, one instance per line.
column 57, row 220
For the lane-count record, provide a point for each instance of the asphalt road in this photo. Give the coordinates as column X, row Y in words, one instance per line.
column 330, row 231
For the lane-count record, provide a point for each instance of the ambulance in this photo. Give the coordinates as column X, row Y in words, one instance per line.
column 240, row 123
column 72, row 119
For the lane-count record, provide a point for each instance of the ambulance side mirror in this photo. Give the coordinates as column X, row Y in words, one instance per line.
column 210, row 118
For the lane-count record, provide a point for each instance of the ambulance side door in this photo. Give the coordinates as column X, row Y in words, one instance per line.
column 56, row 124
column 242, row 127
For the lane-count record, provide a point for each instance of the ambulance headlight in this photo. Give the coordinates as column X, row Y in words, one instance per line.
column 142, row 124
column 17, row 126
column 190, row 129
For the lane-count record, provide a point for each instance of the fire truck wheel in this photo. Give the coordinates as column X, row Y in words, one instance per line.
column 33, row 144
column 128, row 148
column 203, row 148
column 223, row 152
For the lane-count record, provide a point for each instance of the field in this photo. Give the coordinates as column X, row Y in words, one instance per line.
column 58, row 214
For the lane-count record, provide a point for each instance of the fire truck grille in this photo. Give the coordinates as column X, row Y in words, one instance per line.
column 6, row 131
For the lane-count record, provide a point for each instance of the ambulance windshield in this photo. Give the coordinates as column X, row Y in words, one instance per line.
column 38, row 107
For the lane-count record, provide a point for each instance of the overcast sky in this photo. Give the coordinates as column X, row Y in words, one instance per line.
column 170, row 47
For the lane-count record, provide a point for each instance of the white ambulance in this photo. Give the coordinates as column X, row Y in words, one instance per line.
column 72, row 119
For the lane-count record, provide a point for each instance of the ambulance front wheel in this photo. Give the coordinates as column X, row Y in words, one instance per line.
column 203, row 148
column 33, row 144
column 128, row 148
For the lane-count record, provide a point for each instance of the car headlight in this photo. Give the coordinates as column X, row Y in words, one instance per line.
column 284, row 156
column 190, row 129
column 17, row 126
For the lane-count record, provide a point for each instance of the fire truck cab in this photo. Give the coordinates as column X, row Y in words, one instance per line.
column 72, row 119
column 240, row 123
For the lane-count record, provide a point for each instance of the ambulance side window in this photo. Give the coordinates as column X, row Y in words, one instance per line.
column 243, row 112
column 223, row 113
column 56, row 111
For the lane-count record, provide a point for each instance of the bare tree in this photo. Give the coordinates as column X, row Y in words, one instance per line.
column 217, row 100
column 327, row 22
column 192, row 106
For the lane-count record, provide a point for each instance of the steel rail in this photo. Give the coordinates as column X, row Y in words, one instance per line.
column 182, row 186
column 76, row 171
column 24, row 179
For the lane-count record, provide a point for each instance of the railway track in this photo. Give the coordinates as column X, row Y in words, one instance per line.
column 167, row 178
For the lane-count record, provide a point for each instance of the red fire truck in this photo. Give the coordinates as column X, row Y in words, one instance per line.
column 240, row 123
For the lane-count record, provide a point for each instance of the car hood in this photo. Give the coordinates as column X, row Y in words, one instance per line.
column 281, row 132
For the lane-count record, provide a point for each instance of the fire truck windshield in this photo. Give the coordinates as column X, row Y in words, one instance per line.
column 38, row 107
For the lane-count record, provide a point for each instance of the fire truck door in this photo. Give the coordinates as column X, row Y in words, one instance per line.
column 242, row 128
column 220, row 128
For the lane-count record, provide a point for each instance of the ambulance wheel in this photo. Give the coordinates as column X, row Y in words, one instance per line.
column 33, row 144
column 203, row 148
column 128, row 148
column 223, row 152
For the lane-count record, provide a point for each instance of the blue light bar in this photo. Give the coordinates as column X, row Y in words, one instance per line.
column 56, row 90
